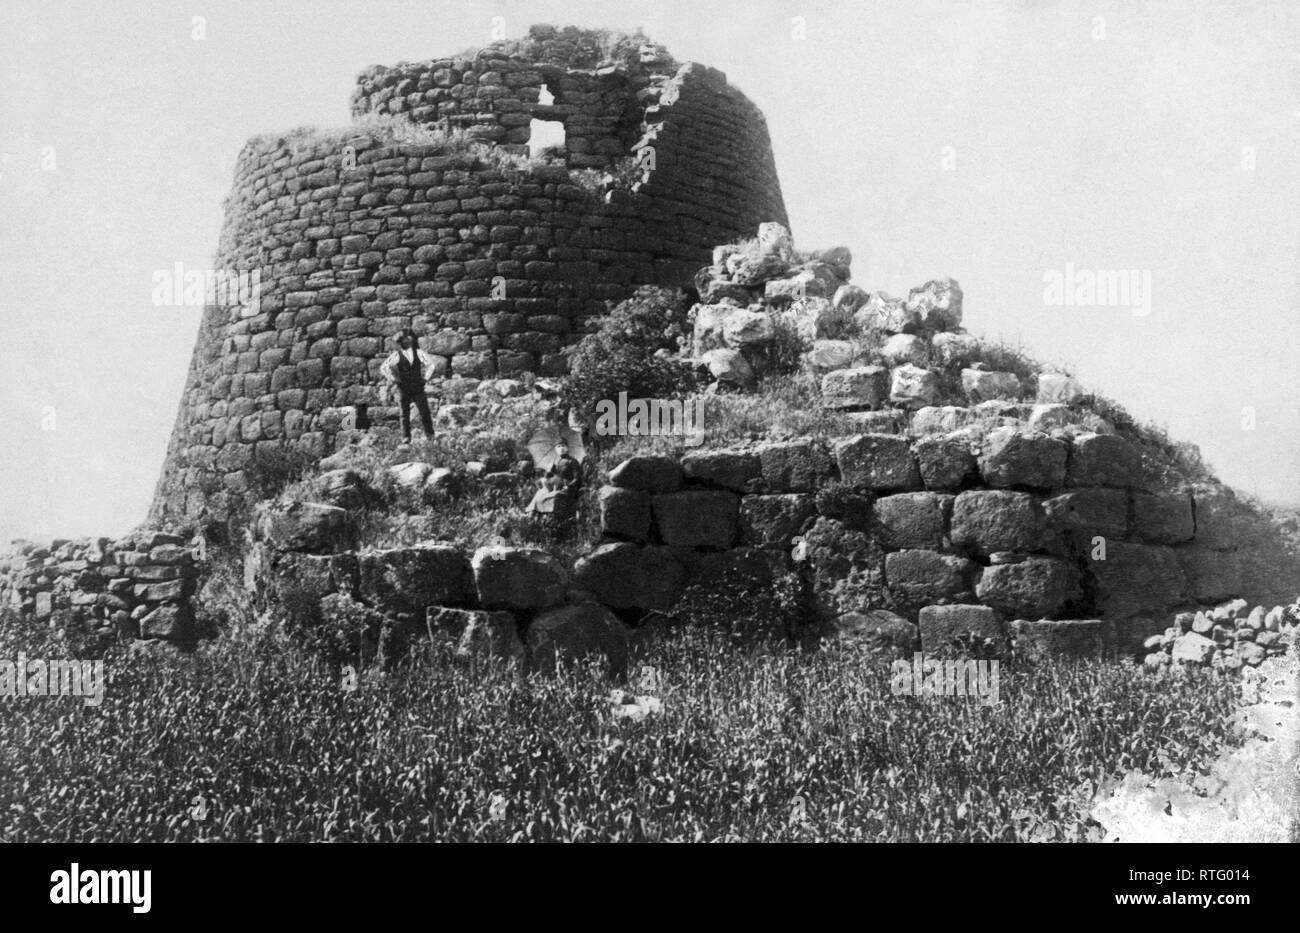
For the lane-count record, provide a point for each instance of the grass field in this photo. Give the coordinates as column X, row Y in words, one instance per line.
column 753, row 743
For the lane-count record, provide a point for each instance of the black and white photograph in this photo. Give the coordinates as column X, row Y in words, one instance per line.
column 782, row 423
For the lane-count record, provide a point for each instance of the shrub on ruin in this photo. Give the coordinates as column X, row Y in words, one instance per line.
column 633, row 351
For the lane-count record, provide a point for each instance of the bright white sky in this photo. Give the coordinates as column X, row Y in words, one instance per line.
column 1124, row 152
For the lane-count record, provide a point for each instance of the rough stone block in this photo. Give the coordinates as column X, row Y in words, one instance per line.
column 696, row 518
column 774, row 520
column 624, row 513
column 985, row 521
column 945, row 463
column 911, row 519
column 625, row 576
column 878, row 462
column 942, row 625
column 648, row 473
column 1135, row 578
column 518, row 578
column 1105, row 460
column 1037, row 587
column 794, row 466
column 1090, row 511
column 1023, row 458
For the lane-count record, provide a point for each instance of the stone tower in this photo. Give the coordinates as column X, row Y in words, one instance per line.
column 497, row 260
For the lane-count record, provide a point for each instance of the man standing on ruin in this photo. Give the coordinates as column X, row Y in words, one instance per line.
column 404, row 370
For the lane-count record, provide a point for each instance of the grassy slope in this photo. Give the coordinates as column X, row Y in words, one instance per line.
column 280, row 752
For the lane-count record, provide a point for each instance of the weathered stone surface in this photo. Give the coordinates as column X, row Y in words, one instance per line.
column 860, row 386
column 648, row 473
column 624, row 513
column 827, row 355
column 905, row 348
column 1135, row 578
column 738, row 470
column 1222, row 520
column 178, row 589
column 1022, row 458
column 311, row 527
column 572, row 633
column 1163, row 517
column 343, row 488
column 985, row 521
column 729, row 367
column 877, row 461
column 848, row 569
column 477, row 633
column 953, row 348
column 920, row 577
column 744, row 329
column 518, row 578
column 170, row 621
column 981, row 385
column 1193, row 649
column 913, row 387
column 911, row 519
column 1090, row 511
column 1057, row 388
column 794, row 466
column 883, row 314
column 945, row 463
column 1211, row 575
column 878, row 630
column 410, row 579
column 942, row 419
column 1066, row 638
column 696, row 518
column 1037, row 587
column 774, row 520
column 937, row 303
column 625, row 576
column 410, row 475
column 1105, row 460
column 1064, row 421
column 942, row 625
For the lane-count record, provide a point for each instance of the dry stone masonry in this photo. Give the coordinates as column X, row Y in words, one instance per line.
column 497, row 261
column 139, row 586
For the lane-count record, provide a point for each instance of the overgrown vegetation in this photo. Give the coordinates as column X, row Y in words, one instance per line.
column 278, row 750
column 631, row 352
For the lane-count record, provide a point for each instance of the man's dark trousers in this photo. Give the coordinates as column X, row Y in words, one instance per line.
column 405, row 399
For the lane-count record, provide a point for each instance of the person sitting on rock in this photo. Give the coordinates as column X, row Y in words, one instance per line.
column 567, row 470
column 404, row 371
